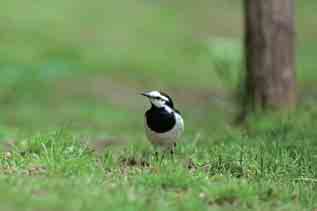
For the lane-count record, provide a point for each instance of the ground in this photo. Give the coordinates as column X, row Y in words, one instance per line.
column 71, row 126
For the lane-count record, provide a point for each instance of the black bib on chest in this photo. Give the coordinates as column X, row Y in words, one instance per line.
column 159, row 120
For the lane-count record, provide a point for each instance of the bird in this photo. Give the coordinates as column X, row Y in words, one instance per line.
column 163, row 123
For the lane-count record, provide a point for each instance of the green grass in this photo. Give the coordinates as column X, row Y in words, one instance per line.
column 271, row 167
column 71, row 119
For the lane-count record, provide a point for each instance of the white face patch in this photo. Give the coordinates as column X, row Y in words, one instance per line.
column 158, row 102
column 157, row 99
column 157, row 94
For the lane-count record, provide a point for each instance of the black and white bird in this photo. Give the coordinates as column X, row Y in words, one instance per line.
column 163, row 123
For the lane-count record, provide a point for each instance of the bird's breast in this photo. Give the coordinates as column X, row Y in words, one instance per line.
column 160, row 121
column 168, row 137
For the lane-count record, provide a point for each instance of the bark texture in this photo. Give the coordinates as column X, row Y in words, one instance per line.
column 269, row 47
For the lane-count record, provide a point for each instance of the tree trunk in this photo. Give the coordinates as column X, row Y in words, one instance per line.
column 269, row 42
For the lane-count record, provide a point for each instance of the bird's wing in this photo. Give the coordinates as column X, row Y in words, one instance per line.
column 180, row 121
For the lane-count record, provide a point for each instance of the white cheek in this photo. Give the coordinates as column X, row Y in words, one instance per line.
column 158, row 103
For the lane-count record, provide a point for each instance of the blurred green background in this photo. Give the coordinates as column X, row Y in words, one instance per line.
column 71, row 72
column 81, row 64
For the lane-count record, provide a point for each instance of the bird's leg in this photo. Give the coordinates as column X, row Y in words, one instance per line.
column 172, row 151
column 161, row 157
column 156, row 155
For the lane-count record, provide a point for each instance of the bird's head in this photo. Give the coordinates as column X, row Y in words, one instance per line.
column 159, row 99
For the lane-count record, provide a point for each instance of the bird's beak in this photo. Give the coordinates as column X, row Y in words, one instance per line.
column 145, row 94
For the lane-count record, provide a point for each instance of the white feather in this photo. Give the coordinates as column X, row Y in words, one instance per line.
column 168, row 138
column 157, row 94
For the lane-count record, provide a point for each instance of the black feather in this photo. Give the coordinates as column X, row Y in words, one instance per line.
column 159, row 120
column 170, row 101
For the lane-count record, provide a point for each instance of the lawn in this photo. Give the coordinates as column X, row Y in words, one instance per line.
column 71, row 117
